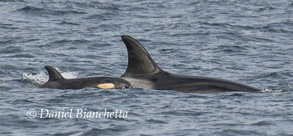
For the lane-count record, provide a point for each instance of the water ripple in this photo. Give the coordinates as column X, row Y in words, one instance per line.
column 244, row 41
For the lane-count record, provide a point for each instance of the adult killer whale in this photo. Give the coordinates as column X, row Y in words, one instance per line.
column 143, row 72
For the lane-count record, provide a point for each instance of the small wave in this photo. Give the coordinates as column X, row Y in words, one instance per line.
column 67, row 23
column 53, row 11
column 75, row 41
column 290, row 85
column 261, row 123
column 78, row 134
column 30, row 9
column 10, row 49
column 269, row 75
column 103, row 131
column 11, row 0
column 21, row 56
column 230, row 49
column 42, row 77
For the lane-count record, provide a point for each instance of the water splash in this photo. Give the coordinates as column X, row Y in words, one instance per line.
column 290, row 85
column 266, row 90
column 42, row 77
column 38, row 79
column 68, row 75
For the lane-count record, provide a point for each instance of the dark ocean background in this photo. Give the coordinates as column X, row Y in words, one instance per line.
column 248, row 41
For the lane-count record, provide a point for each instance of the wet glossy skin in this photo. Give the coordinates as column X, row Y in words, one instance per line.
column 143, row 72
column 86, row 83
column 57, row 81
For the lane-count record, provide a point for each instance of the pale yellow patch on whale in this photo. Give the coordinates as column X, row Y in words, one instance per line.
column 106, row 86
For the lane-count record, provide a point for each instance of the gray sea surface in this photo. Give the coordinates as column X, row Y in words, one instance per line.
column 247, row 41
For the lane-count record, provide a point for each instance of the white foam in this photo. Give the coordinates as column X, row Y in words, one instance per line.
column 42, row 77
column 266, row 90
column 39, row 79
column 68, row 75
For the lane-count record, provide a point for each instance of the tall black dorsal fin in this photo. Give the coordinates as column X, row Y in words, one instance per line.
column 54, row 75
column 140, row 63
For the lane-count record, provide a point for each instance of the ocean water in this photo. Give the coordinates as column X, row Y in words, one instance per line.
column 245, row 41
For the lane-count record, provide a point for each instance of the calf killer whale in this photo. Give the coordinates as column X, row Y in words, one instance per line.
column 143, row 72
column 57, row 81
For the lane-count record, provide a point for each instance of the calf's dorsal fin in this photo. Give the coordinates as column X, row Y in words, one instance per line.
column 54, row 75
